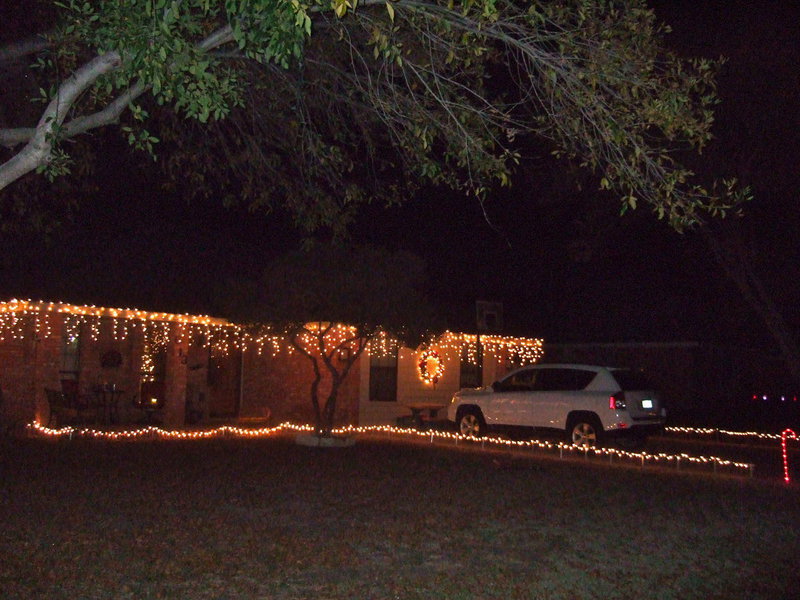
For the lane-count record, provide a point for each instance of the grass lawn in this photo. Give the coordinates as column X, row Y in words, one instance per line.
column 265, row 518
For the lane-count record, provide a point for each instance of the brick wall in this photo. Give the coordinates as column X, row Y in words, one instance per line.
column 282, row 384
column 223, row 377
column 32, row 362
column 17, row 377
column 29, row 362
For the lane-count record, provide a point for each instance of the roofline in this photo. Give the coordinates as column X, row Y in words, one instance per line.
column 30, row 306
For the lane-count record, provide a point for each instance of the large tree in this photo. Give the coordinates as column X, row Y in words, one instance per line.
column 319, row 105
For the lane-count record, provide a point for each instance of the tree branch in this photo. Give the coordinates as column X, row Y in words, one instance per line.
column 37, row 151
column 22, row 48
column 40, row 138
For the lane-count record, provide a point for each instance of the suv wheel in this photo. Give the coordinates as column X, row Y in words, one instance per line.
column 584, row 431
column 471, row 423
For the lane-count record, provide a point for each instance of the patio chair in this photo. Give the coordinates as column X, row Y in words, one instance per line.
column 61, row 413
column 68, row 409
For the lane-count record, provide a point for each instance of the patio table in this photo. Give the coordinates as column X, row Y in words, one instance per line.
column 107, row 399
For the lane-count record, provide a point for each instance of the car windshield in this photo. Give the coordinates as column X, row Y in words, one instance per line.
column 632, row 380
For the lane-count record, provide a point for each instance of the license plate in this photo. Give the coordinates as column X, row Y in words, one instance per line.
column 647, row 404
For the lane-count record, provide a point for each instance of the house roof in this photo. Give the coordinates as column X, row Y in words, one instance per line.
column 24, row 307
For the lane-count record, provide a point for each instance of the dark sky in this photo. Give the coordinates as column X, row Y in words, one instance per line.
column 564, row 265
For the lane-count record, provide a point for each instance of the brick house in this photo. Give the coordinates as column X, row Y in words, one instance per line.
column 172, row 361
column 385, row 380
column 200, row 369
column 391, row 382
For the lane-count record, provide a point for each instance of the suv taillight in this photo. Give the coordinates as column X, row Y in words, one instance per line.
column 617, row 401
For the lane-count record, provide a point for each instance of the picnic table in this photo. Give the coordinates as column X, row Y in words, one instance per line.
column 424, row 412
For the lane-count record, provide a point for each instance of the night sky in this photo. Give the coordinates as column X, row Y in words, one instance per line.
column 563, row 263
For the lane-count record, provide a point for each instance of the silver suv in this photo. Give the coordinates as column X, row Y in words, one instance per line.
column 587, row 402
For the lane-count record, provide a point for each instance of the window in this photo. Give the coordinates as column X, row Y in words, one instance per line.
column 154, row 362
column 521, row 381
column 383, row 377
column 632, row 380
column 550, row 380
column 471, row 368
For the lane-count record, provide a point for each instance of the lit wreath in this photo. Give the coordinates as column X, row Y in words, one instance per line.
column 424, row 373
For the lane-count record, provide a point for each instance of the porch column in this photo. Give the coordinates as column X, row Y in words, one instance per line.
column 175, row 378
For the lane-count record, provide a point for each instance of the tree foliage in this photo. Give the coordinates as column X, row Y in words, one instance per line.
column 364, row 286
column 330, row 302
column 320, row 106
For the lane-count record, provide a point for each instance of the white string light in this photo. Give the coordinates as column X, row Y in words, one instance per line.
column 713, row 431
column 223, row 336
column 17, row 314
column 227, row 430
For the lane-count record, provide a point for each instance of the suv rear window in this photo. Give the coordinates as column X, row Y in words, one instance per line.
column 632, row 380
column 549, row 380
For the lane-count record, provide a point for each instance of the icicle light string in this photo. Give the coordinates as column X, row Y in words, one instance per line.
column 223, row 336
column 518, row 350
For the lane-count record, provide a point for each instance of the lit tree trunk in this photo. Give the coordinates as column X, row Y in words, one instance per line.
column 359, row 339
column 324, row 415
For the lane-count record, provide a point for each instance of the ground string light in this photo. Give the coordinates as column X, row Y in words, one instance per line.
column 154, row 432
column 641, row 457
column 714, row 431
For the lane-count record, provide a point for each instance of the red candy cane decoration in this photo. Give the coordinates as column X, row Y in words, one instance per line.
column 787, row 433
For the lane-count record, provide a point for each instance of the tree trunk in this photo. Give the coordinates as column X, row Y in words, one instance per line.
column 37, row 151
column 736, row 263
column 324, row 416
column 330, row 407
column 315, row 401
